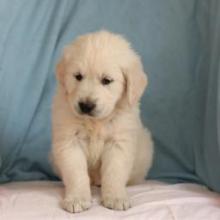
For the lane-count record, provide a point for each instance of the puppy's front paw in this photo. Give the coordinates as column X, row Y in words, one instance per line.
column 116, row 202
column 76, row 204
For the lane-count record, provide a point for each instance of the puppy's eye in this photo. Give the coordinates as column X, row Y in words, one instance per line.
column 106, row 81
column 78, row 76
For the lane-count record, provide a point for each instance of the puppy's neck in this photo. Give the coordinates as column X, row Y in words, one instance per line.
column 93, row 126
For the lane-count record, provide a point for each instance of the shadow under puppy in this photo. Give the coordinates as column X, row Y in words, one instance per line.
column 98, row 137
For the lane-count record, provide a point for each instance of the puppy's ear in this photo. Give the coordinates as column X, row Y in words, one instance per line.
column 60, row 71
column 61, row 65
column 136, row 80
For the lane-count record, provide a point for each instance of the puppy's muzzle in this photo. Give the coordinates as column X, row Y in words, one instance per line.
column 86, row 107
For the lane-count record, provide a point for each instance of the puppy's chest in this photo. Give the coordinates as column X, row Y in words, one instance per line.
column 92, row 143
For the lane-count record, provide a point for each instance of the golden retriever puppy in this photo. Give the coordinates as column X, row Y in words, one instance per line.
column 98, row 137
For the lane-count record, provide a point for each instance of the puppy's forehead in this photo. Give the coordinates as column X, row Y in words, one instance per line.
column 94, row 64
column 91, row 53
column 98, row 53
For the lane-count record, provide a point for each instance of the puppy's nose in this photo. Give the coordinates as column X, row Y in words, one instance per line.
column 86, row 107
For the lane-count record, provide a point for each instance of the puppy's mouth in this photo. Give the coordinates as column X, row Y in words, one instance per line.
column 90, row 114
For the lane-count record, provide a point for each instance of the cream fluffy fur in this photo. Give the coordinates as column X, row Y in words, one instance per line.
column 110, row 147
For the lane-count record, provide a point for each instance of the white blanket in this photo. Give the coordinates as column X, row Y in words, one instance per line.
column 151, row 200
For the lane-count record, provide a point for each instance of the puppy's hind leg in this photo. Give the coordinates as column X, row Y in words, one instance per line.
column 143, row 158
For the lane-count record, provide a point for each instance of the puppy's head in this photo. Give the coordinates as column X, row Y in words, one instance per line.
column 99, row 70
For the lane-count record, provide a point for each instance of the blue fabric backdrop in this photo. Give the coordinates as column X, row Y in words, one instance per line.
column 179, row 42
